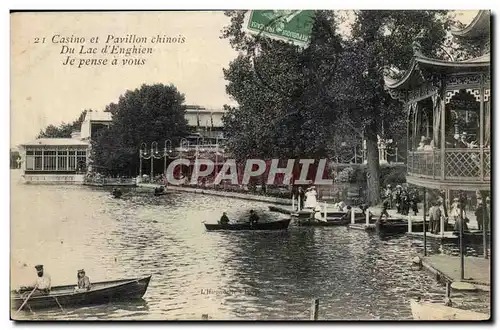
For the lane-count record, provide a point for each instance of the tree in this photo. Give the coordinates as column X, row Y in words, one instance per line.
column 382, row 40
column 147, row 114
column 64, row 130
column 14, row 156
column 274, row 84
column 309, row 100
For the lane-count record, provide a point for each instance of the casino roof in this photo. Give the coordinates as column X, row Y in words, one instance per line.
column 56, row 142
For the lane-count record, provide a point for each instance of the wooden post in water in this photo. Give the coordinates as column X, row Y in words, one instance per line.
column 293, row 202
column 461, row 235
column 314, row 309
column 367, row 217
column 442, row 225
column 410, row 228
column 485, row 225
column 352, row 215
column 298, row 203
column 448, row 289
column 324, row 210
column 425, row 224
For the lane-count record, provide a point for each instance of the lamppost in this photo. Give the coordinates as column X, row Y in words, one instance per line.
column 166, row 152
column 154, row 151
column 142, row 153
column 184, row 146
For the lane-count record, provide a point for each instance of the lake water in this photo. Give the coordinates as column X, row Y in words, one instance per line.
column 227, row 275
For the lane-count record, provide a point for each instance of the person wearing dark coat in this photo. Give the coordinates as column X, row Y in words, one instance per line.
column 224, row 220
column 301, row 198
column 254, row 218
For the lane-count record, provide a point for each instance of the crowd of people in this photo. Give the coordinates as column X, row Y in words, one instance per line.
column 405, row 200
column 402, row 198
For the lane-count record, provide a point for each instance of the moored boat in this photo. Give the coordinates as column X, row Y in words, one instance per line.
column 424, row 311
column 274, row 225
column 400, row 226
column 100, row 293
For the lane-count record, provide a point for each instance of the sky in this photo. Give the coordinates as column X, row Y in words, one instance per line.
column 44, row 91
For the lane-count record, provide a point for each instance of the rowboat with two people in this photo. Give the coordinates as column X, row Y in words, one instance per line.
column 42, row 295
column 252, row 224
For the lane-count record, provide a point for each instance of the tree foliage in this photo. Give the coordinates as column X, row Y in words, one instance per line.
column 64, row 130
column 294, row 102
column 145, row 115
column 14, row 156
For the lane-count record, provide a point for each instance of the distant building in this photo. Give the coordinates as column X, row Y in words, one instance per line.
column 62, row 160
column 65, row 160
column 206, row 122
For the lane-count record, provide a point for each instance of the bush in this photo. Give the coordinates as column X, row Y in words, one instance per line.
column 392, row 175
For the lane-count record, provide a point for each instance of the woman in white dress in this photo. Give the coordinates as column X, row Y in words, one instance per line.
column 311, row 201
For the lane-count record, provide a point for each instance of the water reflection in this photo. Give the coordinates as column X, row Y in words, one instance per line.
column 228, row 275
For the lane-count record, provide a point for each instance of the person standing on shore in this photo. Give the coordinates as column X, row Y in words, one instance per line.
column 388, row 194
column 397, row 198
column 435, row 218
column 479, row 215
column 385, row 206
column 301, row 198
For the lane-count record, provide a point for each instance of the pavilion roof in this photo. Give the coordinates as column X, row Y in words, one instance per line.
column 478, row 28
column 413, row 76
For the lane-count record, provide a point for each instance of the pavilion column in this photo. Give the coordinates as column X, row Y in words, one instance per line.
column 443, row 132
column 57, row 159
column 43, row 160
column 67, row 159
column 481, row 132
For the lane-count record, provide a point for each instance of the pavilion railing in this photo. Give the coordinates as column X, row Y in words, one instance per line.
column 458, row 164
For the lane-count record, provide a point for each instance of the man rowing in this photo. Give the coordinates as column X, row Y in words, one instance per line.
column 254, row 218
column 42, row 284
column 224, row 220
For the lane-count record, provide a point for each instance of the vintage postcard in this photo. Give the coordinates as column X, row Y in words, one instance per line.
column 250, row 165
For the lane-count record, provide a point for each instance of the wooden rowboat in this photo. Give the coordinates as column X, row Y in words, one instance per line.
column 275, row 225
column 100, row 293
column 432, row 312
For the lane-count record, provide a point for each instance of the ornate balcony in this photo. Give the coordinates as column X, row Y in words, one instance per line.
column 465, row 169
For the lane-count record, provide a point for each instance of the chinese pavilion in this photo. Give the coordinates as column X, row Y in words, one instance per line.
column 449, row 116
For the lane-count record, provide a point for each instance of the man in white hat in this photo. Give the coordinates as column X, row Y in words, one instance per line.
column 42, row 284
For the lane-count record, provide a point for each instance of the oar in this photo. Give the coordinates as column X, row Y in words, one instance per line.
column 27, row 298
column 57, row 301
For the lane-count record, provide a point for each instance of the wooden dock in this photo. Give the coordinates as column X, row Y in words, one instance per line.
column 111, row 182
column 424, row 311
column 473, row 236
column 476, row 270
